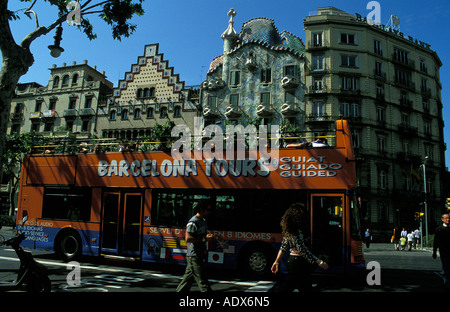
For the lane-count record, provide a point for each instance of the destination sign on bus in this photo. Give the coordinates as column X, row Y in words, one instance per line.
column 286, row 167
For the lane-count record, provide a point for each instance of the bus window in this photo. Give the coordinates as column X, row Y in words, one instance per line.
column 67, row 204
column 174, row 209
column 327, row 231
column 224, row 212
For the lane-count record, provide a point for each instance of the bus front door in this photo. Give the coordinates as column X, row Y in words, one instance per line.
column 327, row 232
column 121, row 223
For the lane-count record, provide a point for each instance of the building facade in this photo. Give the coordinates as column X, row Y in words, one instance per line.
column 150, row 94
column 387, row 84
column 259, row 78
column 68, row 105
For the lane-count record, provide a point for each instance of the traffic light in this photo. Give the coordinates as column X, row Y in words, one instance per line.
column 447, row 203
column 418, row 215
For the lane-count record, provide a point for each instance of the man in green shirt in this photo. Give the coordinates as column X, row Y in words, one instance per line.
column 196, row 237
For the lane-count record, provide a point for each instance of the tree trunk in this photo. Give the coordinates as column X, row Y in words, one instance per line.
column 16, row 61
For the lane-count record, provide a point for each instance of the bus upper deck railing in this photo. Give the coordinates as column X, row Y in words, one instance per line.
column 44, row 145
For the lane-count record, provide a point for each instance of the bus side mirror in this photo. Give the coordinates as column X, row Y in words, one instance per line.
column 24, row 220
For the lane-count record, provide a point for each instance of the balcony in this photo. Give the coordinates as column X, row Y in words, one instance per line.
column 405, row 62
column 313, row 118
column 290, row 82
column 407, row 131
column 404, row 103
column 214, row 84
column 289, row 109
column 317, row 90
column 35, row 115
column 49, row 114
column 16, row 116
column 233, row 111
column 379, row 75
column 211, row 112
column 264, row 110
column 86, row 112
column 70, row 113
column 321, row 67
column 425, row 91
column 317, row 46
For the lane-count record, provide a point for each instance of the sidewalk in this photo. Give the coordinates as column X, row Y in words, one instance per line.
column 390, row 246
column 389, row 258
column 7, row 230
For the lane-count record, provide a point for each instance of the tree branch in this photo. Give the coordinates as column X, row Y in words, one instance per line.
column 35, row 16
column 32, row 5
column 26, row 42
column 84, row 9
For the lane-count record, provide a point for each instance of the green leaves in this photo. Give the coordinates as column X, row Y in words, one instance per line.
column 117, row 13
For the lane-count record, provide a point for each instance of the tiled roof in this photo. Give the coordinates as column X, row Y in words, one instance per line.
column 215, row 63
column 262, row 31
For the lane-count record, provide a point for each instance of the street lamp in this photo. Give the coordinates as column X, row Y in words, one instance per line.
column 425, row 197
column 55, row 49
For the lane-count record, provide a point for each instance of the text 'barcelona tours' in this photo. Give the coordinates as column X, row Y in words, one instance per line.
column 286, row 167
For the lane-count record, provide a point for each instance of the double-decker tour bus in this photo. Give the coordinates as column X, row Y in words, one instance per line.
column 136, row 204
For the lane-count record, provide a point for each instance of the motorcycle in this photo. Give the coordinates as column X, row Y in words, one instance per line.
column 31, row 273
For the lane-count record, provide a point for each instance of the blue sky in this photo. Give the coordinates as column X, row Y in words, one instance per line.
column 188, row 33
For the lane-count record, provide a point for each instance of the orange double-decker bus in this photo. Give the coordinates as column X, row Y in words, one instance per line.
column 136, row 204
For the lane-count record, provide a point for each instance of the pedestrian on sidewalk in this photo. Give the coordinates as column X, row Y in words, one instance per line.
column 196, row 237
column 417, row 238
column 402, row 243
column 396, row 238
column 410, row 237
column 368, row 237
column 442, row 242
column 404, row 232
column 293, row 225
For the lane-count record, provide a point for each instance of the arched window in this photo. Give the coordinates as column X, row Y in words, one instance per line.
column 112, row 115
column 163, row 112
column 65, row 81
column 125, row 114
column 75, row 80
column 150, row 112
column 56, row 82
column 137, row 113
column 177, row 111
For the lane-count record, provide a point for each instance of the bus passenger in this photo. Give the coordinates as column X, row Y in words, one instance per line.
column 295, row 143
column 300, row 259
column 321, row 141
column 196, row 236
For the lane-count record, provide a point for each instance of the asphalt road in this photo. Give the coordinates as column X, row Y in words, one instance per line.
column 399, row 272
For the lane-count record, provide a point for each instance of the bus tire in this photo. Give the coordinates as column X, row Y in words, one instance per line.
column 68, row 245
column 256, row 259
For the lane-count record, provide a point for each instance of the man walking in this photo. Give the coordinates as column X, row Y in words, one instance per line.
column 442, row 241
column 196, row 236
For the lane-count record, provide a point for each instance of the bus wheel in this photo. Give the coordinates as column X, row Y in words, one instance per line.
column 68, row 245
column 257, row 260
